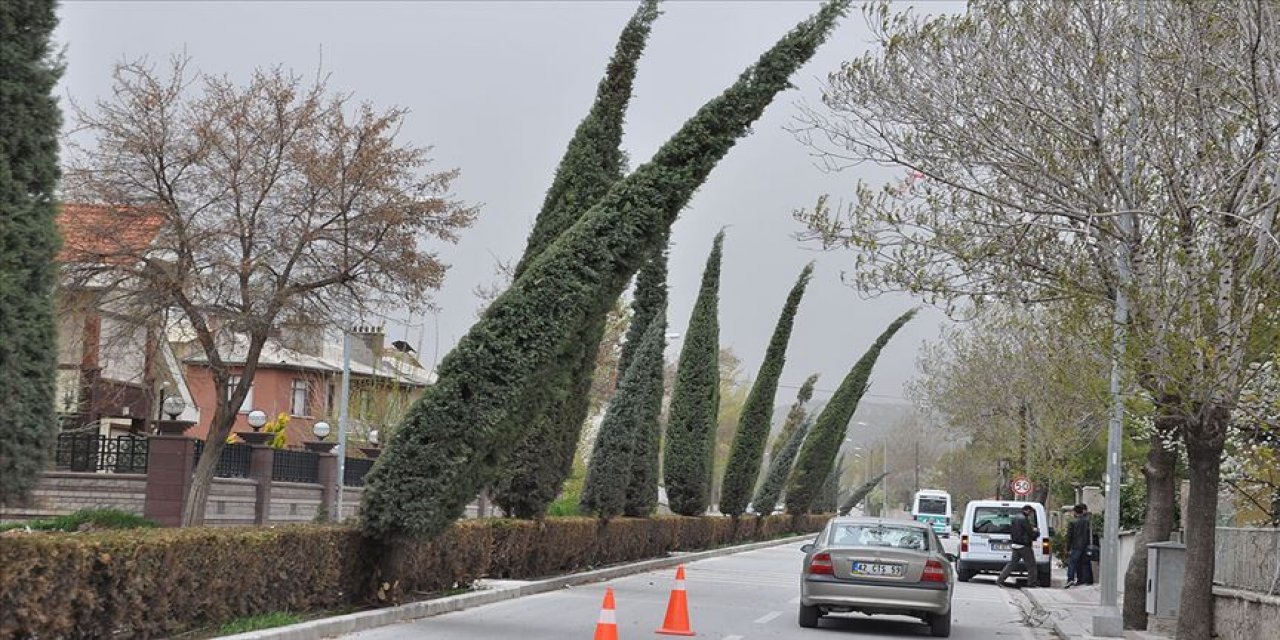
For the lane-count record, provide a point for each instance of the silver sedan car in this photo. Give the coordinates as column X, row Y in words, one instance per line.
column 877, row 566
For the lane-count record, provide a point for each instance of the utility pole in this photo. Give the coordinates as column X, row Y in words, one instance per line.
column 1110, row 623
column 884, row 506
column 917, row 466
column 342, row 423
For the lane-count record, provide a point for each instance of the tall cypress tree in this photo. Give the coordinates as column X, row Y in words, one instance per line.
column 795, row 416
column 537, row 466
column 747, row 454
column 650, row 307
column 860, row 494
column 29, row 120
column 455, row 436
column 695, row 401
column 766, row 499
column 829, row 496
column 820, row 447
column 609, row 476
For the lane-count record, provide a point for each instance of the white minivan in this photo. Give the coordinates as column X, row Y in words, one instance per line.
column 984, row 539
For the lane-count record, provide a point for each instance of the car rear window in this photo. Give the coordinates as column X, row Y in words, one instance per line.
column 995, row 519
column 879, row 535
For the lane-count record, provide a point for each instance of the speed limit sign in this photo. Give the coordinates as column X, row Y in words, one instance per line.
column 1022, row 486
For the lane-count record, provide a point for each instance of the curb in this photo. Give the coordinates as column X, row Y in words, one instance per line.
column 365, row 620
column 1054, row 621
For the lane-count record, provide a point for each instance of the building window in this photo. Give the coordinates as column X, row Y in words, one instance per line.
column 298, row 403
column 247, row 405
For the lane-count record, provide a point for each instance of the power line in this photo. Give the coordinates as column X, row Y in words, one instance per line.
column 831, row 391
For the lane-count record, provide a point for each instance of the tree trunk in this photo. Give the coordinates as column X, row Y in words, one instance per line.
column 202, row 477
column 1204, row 456
column 1157, row 524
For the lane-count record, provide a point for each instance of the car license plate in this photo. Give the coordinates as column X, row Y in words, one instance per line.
column 877, row 569
column 999, row 546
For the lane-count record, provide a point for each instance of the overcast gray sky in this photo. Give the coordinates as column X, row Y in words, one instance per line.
column 498, row 87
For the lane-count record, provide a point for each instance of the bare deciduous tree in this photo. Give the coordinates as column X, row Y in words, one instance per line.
column 278, row 199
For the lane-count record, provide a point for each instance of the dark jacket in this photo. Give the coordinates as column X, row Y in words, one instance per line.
column 1021, row 531
column 1078, row 533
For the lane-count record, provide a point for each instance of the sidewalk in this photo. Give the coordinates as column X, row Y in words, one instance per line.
column 1070, row 611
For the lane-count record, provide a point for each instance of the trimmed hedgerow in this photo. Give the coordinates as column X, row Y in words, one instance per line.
column 609, row 474
column 549, row 417
column 819, row 450
column 455, row 437
column 695, row 401
column 747, row 454
column 147, row 583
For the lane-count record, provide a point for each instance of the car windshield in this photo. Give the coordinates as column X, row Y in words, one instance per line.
column 994, row 519
column 933, row 506
column 879, row 535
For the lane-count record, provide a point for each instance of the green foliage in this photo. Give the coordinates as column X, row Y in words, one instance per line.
column 860, row 494
column 748, row 444
column 819, row 450
column 829, row 495
column 625, row 423
column 456, row 435
column 691, row 426
column 28, row 242
column 795, row 416
column 650, row 307
column 86, row 519
column 766, row 499
column 555, row 403
column 648, row 302
column 263, row 621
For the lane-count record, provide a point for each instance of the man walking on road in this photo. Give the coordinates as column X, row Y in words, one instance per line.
column 1079, row 537
column 1021, row 535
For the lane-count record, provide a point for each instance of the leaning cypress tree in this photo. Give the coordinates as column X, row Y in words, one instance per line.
column 28, row 242
column 455, row 436
column 829, row 495
column 860, row 494
column 795, row 417
column 650, row 307
column 747, row 454
column 780, row 469
column 648, row 302
column 695, row 401
column 820, row 447
column 609, row 476
column 530, row 478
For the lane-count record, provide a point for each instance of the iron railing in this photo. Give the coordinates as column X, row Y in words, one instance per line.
column 295, row 466
column 233, row 463
column 93, row 453
column 356, row 468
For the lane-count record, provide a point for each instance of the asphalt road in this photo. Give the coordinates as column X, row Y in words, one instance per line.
column 747, row 596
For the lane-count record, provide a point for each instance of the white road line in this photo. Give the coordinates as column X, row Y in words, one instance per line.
column 733, row 638
column 766, row 618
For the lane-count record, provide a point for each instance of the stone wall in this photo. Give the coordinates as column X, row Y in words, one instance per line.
column 232, row 501
column 60, row 493
column 1246, row 580
column 296, row 502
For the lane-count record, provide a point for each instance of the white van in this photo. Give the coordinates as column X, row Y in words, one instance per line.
column 984, row 539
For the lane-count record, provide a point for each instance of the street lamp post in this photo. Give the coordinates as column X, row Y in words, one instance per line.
column 342, row 423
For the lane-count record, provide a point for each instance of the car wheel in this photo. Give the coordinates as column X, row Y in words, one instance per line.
column 963, row 574
column 940, row 625
column 809, row 616
column 1044, row 578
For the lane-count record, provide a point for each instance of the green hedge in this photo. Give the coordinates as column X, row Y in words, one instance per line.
column 149, row 583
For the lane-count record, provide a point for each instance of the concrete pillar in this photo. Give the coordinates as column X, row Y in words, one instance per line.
column 261, row 462
column 327, row 476
column 171, row 460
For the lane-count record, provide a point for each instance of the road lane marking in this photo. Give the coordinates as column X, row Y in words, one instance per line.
column 733, row 638
column 768, row 617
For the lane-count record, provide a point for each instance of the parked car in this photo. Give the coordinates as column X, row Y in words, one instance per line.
column 880, row 567
column 984, row 539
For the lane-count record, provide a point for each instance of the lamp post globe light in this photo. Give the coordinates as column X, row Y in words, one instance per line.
column 257, row 419
column 173, row 406
column 320, row 430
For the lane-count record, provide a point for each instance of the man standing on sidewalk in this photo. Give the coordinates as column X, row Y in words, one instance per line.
column 1079, row 537
column 1021, row 535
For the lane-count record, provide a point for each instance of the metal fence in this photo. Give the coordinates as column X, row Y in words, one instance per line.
column 295, row 466
column 1248, row 559
column 94, row 453
column 356, row 468
column 233, row 463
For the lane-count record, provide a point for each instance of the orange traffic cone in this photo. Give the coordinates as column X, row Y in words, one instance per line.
column 677, row 622
column 607, row 626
